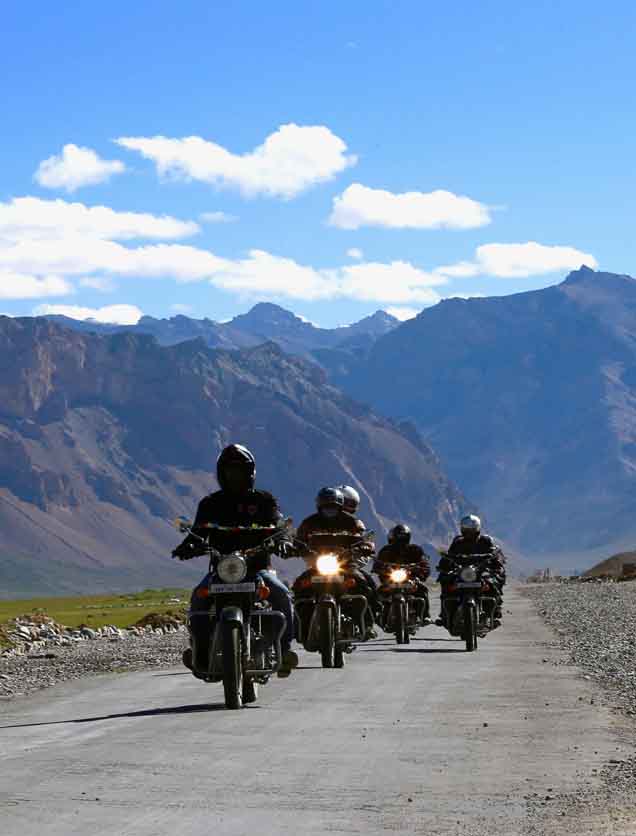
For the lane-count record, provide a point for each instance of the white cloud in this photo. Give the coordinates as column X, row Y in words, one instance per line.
column 217, row 218
column 24, row 286
column 356, row 253
column 98, row 283
column 111, row 314
column 403, row 313
column 361, row 206
column 513, row 261
column 33, row 218
column 291, row 159
column 76, row 167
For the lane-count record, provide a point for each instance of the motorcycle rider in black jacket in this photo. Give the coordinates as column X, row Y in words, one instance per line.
column 399, row 551
column 330, row 517
column 239, row 503
column 472, row 541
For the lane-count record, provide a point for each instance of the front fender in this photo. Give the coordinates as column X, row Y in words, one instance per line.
column 231, row 614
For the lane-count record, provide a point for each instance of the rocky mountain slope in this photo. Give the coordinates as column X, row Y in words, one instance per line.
column 263, row 323
column 530, row 401
column 105, row 438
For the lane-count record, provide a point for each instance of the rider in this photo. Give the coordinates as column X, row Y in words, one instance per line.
column 472, row 541
column 239, row 504
column 330, row 517
column 400, row 551
column 351, row 506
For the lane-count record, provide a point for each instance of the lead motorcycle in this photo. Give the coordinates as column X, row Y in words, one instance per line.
column 470, row 598
column 404, row 608
column 240, row 634
column 327, row 602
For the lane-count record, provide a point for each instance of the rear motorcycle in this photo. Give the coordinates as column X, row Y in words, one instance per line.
column 328, row 605
column 470, row 598
column 237, row 640
column 403, row 611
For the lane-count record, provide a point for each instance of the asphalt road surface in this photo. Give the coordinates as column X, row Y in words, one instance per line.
column 425, row 739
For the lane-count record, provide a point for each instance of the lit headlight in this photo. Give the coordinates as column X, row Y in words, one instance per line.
column 468, row 574
column 327, row 564
column 232, row 569
column 399, row 575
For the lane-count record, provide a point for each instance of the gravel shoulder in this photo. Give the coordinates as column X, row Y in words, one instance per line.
column 50, row 664
column 594, row 629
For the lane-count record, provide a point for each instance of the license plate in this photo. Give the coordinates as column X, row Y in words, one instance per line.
column 399, row 587
column 327, row 579
column 220, row 588
column 464, row 585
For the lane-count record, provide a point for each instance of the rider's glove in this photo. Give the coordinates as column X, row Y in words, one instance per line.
column 185, row 551
column 286, row 549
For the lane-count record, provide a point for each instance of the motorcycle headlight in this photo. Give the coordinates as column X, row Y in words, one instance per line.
column 399, row 575
column 232, row 569
column 327, row 564
column 469, row 575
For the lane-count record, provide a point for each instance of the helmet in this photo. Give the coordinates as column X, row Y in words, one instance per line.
column 470, row 525
column 351, row 498
column 400, row 535
column 329, row 498
column 236, row 469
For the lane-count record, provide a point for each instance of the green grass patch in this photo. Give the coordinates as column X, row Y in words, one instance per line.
column 98, row 610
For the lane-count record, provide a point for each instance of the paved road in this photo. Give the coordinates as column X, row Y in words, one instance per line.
column 395, row 743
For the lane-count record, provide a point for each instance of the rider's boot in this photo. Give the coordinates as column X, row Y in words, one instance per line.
column 288, row 663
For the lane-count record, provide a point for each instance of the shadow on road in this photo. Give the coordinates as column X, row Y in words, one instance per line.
column 148, row 712
column 413, row 649
column 177, row 673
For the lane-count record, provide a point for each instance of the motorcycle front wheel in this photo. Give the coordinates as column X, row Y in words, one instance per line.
column 470, row 626
column 232, row 665
column 327, row 637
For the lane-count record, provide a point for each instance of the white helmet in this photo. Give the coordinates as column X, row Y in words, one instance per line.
column 351, row 498
column 470, row 524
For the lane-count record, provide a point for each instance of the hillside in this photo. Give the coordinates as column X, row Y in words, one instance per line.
column 529, row 401
column 105, row 438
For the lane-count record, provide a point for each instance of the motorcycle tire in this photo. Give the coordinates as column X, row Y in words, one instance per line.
column 232, row 665
column 327, row 637
column 470, row 627
column 338, row 657
column 399, row 624
column 405, row 622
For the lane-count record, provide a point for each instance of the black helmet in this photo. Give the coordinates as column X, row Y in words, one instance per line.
column 400, row 535
column 351, row 498
column 236, row 469
column 329, row 498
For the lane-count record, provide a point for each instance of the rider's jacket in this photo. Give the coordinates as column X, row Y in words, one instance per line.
column 403, row 555
column 222, row 508
column 484, row 544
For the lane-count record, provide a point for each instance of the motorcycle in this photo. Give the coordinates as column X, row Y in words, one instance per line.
column 237, row 640
column 470, row 598
column 326, row 601
column 404, row 612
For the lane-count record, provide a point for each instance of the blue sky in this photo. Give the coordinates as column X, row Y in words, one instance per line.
column 510, row 127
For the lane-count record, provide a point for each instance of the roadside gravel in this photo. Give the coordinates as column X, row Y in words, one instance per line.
column 595, row 624
column 595, row 627
column 23, row 674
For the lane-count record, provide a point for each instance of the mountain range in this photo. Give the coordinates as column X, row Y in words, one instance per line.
column 264, row 322
column 106, row 437
column 530, row 402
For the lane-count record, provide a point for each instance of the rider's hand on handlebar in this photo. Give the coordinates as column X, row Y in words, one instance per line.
column 286, row 549
column 185, row 551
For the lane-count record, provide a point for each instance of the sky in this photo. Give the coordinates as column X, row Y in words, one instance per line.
column 334, row 158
